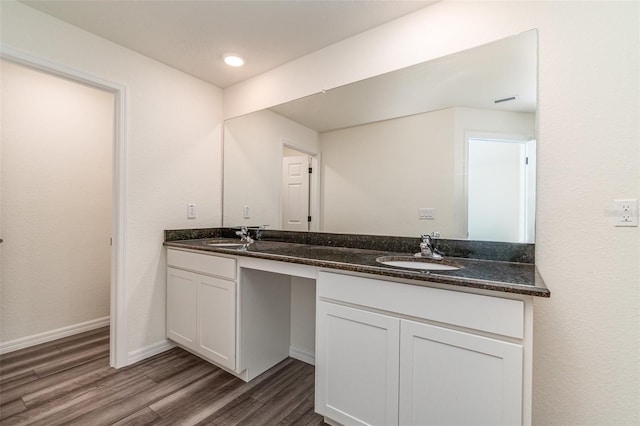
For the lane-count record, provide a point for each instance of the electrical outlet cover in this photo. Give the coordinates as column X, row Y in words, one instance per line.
column 426, row 213
column 626, row 212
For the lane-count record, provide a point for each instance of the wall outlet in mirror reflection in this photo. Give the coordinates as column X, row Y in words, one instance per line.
column 426, row 213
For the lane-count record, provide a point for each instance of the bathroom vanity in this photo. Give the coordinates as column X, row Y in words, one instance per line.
column 393, row 345
column 396, row 154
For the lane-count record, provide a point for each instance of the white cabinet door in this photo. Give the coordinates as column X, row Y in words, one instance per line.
column 356, row 365
column 455, row 378
column 217, row 320
column 182, row 291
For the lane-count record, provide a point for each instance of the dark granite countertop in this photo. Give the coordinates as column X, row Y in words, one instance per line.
column 500, row 276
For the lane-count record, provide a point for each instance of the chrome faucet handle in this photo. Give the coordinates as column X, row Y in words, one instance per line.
column 259, row 230
column 243, row 233
column 426, row 248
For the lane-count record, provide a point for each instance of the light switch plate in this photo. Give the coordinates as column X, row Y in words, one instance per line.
column 426, row 213
column 191, row 211
column 626, row 212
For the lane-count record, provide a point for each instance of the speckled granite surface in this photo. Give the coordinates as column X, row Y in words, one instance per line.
column 502, row 276
column 487, row 250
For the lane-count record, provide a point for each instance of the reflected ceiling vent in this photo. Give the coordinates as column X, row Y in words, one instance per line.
column 510, row 98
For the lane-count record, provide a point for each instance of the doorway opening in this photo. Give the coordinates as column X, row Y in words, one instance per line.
column 116, row 193
column 501, row 188
column 300, row 189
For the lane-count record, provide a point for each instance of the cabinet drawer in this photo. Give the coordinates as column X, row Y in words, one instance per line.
column 491, row 314
column 223, row 267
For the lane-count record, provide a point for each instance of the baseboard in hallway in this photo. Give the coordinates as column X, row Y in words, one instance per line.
column 49, row 336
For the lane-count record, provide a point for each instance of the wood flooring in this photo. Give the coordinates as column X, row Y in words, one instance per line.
column 69, row 382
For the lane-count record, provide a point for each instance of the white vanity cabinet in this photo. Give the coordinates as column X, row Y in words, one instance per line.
column 201, row 305
column 389, row 353
column 357, row 361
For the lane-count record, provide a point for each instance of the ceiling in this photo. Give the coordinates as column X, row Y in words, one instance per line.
column 193, row 36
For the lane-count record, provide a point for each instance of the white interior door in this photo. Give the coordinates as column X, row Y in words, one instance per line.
column 295, row 193
column 496, row 190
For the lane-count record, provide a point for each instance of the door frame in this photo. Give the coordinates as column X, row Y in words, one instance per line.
column 486, row 135
column 118, row 325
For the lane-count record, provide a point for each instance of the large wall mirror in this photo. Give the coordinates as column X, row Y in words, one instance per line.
column 445, row 146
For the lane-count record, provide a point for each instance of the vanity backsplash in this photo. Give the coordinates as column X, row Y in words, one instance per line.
column 486, row 250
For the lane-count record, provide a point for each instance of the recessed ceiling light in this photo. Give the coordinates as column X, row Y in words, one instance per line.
column 233, row 60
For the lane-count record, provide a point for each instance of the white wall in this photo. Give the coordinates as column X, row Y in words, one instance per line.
column 375, row 177
column 57, row 144
column 253, row 165
column 173, row 152
column 303, row 314
column 587, row 349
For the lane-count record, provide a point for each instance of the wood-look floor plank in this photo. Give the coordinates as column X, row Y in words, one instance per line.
column 271, row 389
column 69, row 382
column 280, row 404
column 63, row 361
column 18, row 366
column 114, row 411
column 19, row 380
column 302, row 414
column 55, row 384
column 186, row 405
column 51, row 360
column 64, row 409
column 216, row 404
column 176, row 360
column 143, row 417
column 43, row 348
column 71, row 342
column 11, row 408
column 234, row 413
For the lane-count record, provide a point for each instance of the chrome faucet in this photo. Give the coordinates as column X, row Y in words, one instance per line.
column 243, row 233
column 258, row 233
column 427, row 249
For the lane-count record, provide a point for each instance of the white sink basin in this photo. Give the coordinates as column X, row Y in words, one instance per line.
column 418, row 263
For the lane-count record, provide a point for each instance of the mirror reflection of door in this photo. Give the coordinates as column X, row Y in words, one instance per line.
column 295, row 190
column 501, row 194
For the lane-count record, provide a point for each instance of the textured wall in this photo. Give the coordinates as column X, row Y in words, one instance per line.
column 586, row 351
column 253, row 165
column 360, row 183
column 173, row 151
column 57, row 144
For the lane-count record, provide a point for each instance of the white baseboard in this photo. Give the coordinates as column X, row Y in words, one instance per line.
column 149, row 351
column 331, row 422
column 302, row 355
column 48, row 336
